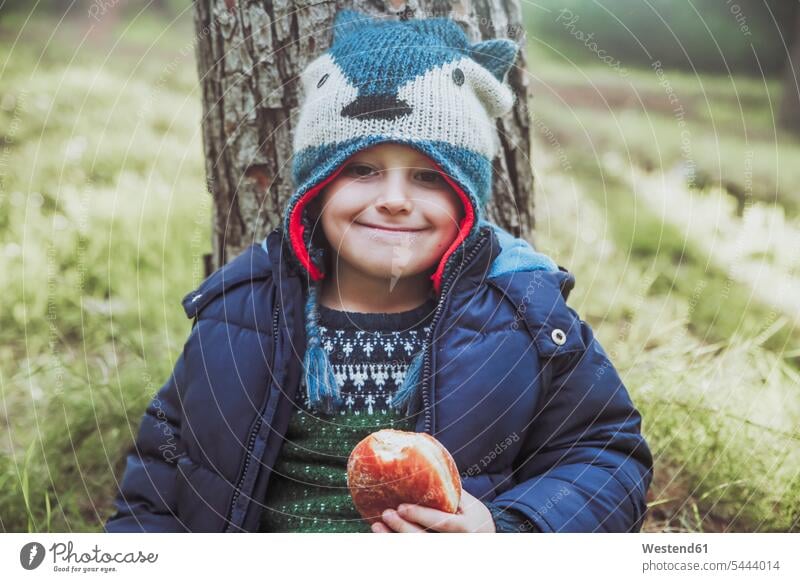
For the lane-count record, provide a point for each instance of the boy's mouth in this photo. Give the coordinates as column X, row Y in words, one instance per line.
column 390, row 229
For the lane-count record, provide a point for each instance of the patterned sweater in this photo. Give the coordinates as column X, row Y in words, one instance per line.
column 370, row 353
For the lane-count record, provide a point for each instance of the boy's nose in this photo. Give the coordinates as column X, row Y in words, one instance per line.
column 393, row 197
column 395, row 206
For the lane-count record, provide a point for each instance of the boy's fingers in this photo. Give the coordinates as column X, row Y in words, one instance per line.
column 467, row 502
column 380, row 527
column 428, row 517
column 391, row 518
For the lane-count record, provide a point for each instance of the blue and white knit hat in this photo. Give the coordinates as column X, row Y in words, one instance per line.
column 416, row 82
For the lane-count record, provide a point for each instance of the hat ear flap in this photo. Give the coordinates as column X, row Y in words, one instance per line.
column 497, row 55
column 348, row 21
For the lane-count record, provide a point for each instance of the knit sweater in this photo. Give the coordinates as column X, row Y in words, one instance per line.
column 370, row 354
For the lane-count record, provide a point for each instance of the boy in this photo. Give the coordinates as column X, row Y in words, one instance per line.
column 385, row 299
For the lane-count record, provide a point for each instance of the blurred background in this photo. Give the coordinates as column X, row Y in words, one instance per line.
column 667, row 176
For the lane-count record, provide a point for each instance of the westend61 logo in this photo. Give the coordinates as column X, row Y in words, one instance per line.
column 65, row 559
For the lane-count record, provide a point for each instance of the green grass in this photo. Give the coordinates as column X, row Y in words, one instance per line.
column 585, row 132
column 104, row 218
column 680, row 267
column 727, row 126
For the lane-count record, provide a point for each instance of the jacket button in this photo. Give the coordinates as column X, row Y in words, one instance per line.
column 559, row 337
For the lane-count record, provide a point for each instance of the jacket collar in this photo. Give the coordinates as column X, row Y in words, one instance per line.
column 539, row 298
column 250, row 265
column 469, row 265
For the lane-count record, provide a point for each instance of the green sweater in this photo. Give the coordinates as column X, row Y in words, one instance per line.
column 370, row 354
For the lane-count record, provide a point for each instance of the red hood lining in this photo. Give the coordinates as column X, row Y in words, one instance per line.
column 297, row 228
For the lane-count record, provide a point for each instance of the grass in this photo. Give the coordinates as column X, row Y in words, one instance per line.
column 105, row 217
column 723, row 128
column 661, row 202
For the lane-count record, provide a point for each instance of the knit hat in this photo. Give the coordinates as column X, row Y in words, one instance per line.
column 416, row 82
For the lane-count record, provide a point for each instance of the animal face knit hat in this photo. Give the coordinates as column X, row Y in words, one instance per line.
column 416, row 82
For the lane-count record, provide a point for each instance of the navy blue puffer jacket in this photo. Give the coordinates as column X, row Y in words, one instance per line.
column 516, row 387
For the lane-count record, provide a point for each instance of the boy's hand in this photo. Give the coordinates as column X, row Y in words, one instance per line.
column 471, row 516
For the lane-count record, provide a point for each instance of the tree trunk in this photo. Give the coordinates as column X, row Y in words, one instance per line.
column 790, row 105
column 249, row 53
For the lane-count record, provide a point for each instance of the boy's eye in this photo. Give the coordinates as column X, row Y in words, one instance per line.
column 359, row 170
column 430, row 177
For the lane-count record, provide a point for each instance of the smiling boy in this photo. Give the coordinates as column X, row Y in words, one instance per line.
column 388, row 217
column 385, row 299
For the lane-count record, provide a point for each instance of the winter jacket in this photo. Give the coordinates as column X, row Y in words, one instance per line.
column 516, row 387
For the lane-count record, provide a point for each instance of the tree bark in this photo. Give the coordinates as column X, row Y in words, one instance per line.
column 249, row 53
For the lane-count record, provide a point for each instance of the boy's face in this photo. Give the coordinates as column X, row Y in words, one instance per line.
column 393, row 186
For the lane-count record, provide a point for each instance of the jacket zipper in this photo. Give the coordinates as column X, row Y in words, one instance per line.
column 252, row 440
column 425, row 382
column 426, row 398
